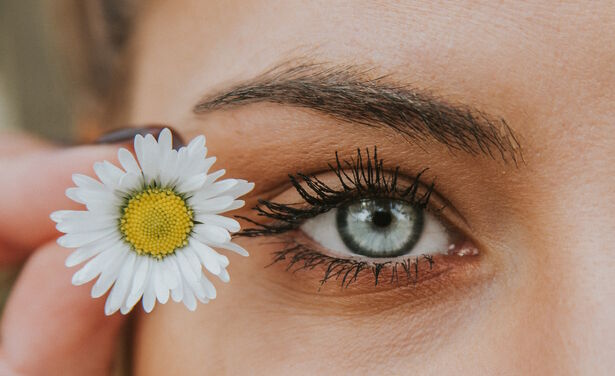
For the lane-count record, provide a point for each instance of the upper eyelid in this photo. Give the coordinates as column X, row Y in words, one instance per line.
column 282, row 212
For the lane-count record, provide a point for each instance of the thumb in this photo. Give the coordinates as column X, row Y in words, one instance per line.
column 33, row 187
column 50, row 327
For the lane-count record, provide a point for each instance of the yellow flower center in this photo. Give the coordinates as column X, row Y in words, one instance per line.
column 156, row 222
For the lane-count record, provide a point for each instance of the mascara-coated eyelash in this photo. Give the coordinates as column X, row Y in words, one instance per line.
column 346, row 271
column 359, row 179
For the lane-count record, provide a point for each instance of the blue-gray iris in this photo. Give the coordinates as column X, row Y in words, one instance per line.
column 380, row 227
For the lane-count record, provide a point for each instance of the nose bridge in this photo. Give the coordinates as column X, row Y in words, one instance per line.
column 575, row 270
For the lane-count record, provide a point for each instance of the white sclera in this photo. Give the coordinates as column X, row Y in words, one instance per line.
column 434, row 239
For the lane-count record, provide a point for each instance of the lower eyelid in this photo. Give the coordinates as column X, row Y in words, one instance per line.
column 303, row 255
column 448, row 277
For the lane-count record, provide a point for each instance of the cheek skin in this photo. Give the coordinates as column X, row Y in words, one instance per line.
column 269, row 315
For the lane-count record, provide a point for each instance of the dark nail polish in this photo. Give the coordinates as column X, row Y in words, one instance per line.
column 128, row 134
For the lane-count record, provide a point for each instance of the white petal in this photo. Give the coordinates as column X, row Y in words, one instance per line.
column 128, row 161
column 192, row 184
column 217, row 220
column 203, row 299
column 138, row 145
column 211, row 233
column 88, row 223
column 161, row 289
column 103, row 199
column 104, row 207
column 73, row 194
column 92, row 249
column 207, row 256
column 240, row 189
column 84, row 181
column 195, row 287
column 177, row 294
column 214, row 176
column 184, row 267
column 62, row 215
column 139, row 279
column 59, row 215
column 80, row 239
column 193, row 260
column 130, row 182
column 78, row 215
column 165, row 149
column 212, row 205
column 120, row 289
column 149, row 296
column 231, row 247
column 125, row 309
column 217, row 189
column 109, row 275
column 151, row 155
column 174, row 266
column 189, row 300
column 182, row 162
column 223, row 261
column 85, row 196
column 198, row 289
column 148, row 157
column 224, row 276
column 235, row 205
column 207, row 163
column 165, row 139
column 197, row 143
column 168, row 169
column 194, row 163
column 95, row 266
column 108, row 173
column 170, row 273
column 210, row 290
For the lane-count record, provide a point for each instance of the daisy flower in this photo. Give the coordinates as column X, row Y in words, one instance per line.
column 151, row 227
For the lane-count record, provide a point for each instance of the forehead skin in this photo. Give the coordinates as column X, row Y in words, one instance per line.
column 546, row 67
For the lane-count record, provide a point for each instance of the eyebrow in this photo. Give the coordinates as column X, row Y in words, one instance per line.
column 349, row 94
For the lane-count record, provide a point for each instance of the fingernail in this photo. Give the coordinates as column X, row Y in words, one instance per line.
column 127, row 134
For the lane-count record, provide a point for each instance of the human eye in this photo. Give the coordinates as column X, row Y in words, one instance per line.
column 362, row 221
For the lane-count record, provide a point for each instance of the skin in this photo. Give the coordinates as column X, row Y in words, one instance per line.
column 536, row 301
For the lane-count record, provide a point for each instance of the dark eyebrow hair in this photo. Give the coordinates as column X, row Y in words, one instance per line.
column 347, row 93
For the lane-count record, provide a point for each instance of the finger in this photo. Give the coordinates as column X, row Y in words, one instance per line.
column 33, row 186
column 36, row 182
column 50, row 327
column 17, row 143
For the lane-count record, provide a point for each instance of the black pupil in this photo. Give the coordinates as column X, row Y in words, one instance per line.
column 382, row 218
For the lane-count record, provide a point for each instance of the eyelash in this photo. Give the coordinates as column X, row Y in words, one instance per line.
column 359, row 179
column 347, row 269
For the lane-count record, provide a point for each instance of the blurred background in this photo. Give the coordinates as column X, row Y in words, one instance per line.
column 60, row 64
column 36, row 93
column 60, row 61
